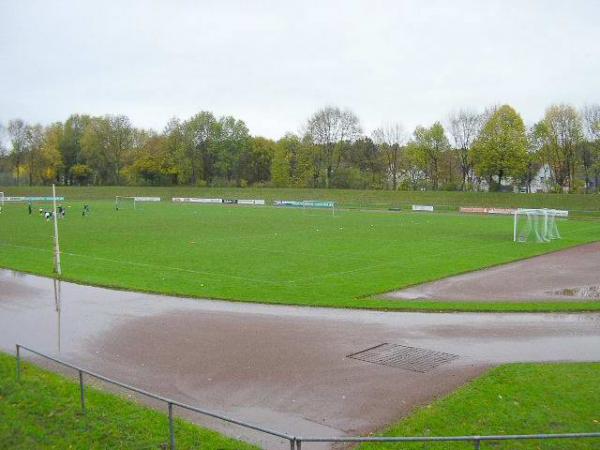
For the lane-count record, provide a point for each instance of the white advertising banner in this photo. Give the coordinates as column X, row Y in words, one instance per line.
column 428, row 208
column 196, row 200
column 147, row 199
column 251, row 202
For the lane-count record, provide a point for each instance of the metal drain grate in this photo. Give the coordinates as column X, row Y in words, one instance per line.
column 410, row 358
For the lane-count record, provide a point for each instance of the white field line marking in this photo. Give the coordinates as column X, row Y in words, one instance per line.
column 294, row 252
column 391, row 264
column 425, row 257
column 153, row 266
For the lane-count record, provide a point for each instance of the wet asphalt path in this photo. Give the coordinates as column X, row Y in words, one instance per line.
column 279, row 366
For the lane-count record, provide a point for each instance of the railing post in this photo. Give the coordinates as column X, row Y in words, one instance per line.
column 298, row 444
column 293, row 444
column 18, row 362
column 82, row 392
column 477, row 444
column 171, row 427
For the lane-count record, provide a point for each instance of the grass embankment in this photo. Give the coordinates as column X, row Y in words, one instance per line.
column 344, row 197
column 271, row 255
column 42, row 411
column 512, row 399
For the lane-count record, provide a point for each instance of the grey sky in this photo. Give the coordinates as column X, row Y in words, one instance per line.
column 272, row 64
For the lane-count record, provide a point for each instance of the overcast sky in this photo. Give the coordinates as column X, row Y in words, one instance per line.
column 272, row 64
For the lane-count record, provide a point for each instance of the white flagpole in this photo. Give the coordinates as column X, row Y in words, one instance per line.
column 57, row 268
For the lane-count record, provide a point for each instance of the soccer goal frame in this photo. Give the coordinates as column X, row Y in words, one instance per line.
column 2, row 199
column 119, row 200
column 540, row 225
column 318, row 204
column 136, row 199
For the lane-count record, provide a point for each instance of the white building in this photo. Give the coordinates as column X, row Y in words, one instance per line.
column 542, row 180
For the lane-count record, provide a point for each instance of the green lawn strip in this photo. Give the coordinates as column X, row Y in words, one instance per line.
column 344, row 197
column 512, row 399
column 43, row 411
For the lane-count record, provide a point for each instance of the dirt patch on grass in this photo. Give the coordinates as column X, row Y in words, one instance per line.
column 567, row 275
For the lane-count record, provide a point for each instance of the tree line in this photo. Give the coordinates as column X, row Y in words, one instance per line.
column 471, row 150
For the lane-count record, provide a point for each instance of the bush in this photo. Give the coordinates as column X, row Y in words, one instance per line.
column 452, row 186
column 349, row 178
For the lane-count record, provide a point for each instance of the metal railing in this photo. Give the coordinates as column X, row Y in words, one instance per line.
column 295, row 442
column 170, row 402
column 475, row 440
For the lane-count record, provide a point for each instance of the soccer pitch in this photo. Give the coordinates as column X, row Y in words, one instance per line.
column 266, row 254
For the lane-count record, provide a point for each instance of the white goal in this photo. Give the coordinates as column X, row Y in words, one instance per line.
column 123, row 202
column 536, row 225
column 319, row 204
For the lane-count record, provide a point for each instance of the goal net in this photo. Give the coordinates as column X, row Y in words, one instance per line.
column 536, row 225
column 122, row 202
column 314, row 204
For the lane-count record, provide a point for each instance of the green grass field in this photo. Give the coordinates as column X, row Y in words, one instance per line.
column 42, row 412
column 266, row 254
column 512, row 399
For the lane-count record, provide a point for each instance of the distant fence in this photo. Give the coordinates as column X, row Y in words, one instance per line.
column 295, row 442
column 475, row 440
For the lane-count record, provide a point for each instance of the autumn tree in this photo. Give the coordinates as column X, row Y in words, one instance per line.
column 591, row 148
column 257, row 160
column 431, row 143
column 50, row 162
column 105, row 144
column 153, row 163
column 196, row 149
column 500, row 150
column 233, row 142
column 464, row 129
column 71, row 150
column 35, row 142
column 280, row 166
column 390, row 140
column 291, row 165
column 331, row 129
column 561, row 132
column 18, row 133
column 366, row 157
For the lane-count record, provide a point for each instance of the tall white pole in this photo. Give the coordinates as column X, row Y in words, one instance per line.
column 57, row 268
column 516, row 218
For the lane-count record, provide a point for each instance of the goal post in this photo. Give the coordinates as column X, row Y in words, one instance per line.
column 122, row 200
column 316, row 204
column 1, row 199
column 537, row 225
